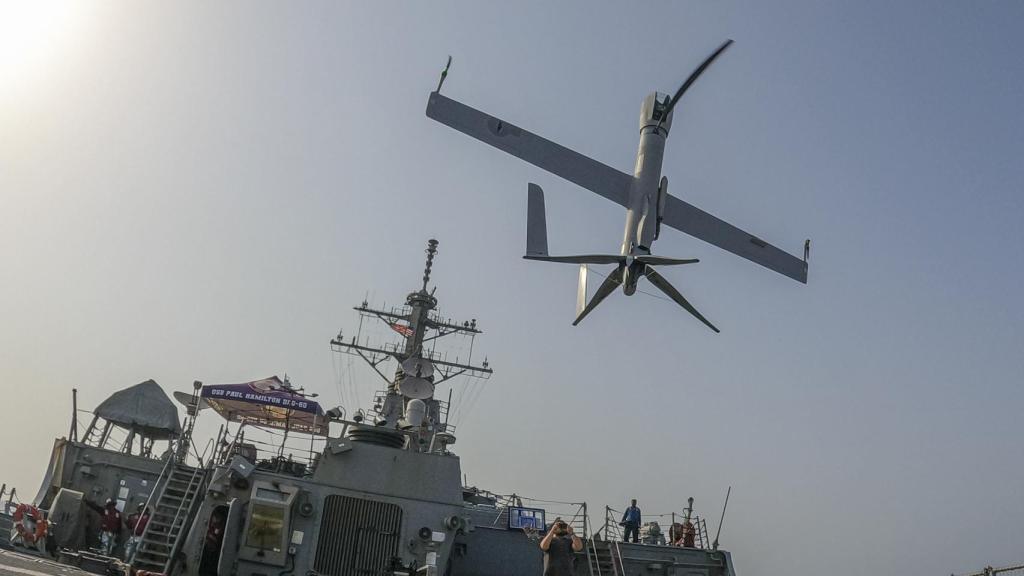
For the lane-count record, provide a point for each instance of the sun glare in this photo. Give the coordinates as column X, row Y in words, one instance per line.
column 32, row 32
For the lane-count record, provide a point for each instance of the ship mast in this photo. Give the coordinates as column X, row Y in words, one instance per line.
column 419, row 371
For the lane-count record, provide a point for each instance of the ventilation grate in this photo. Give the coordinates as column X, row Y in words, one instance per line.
column 357, row 537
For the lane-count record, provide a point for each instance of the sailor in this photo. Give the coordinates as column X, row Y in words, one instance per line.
column 110, row 525
column 631, row 522
column 212, row 544
column 559, row 546
column 137, row 524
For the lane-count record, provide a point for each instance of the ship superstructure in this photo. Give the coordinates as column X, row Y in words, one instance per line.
column 348, row 491
column 409, row 401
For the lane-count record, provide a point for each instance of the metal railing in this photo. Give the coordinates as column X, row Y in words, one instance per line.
column 593, row 559
column 572, row 513
column 617, row 564
column 191, row 494
column 91, row 430
column 990, row 571
column 613, row 529
column 296, row 453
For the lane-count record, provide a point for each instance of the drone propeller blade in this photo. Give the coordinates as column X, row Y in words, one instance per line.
column 580, row 259
column 659, row 281
column 613, row 281
column 693, row 78
column 662, row 261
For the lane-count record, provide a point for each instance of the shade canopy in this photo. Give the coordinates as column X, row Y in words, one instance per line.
column 267, row 403
column 144, row 408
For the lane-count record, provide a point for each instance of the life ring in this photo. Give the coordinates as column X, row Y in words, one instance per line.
column 36, row 516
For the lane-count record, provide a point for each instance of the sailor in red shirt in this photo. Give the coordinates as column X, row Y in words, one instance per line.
column 137, row 524
column 110, row 525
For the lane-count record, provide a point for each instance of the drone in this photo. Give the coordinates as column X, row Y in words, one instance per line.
column 644, row 195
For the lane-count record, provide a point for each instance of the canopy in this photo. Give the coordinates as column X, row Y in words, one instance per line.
column 267, row 403
column 144, row 408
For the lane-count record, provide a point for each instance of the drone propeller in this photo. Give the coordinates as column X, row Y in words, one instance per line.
column 613, row 281
column 661, row 284
column 693, row 78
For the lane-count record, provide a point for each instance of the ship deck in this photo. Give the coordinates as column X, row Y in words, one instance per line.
column 14, row 563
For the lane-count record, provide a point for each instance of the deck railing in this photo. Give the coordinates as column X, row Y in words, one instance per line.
column 613, row 530
column 990, row 571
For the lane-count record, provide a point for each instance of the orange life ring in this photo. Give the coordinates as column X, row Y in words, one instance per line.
column 37, row 517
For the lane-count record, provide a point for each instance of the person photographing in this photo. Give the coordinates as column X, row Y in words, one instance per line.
column 559, row 546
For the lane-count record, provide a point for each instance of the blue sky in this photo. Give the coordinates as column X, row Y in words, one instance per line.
column 193, row 191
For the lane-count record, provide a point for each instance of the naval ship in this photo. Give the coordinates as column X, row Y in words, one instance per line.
column 377, row 491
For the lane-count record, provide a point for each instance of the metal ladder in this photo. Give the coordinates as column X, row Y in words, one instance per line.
column 702, row 534
column 604, row 558
column 169, row 518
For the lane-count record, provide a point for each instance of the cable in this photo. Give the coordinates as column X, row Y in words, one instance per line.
column 644, row 292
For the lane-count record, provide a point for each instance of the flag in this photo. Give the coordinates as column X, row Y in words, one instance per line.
column 402, row 329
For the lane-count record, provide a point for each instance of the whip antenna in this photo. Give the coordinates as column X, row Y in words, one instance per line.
column 444, row 73
column 714, row 545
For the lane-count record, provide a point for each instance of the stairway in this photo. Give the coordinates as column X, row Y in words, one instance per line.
column 601, row 556
column 169, row 519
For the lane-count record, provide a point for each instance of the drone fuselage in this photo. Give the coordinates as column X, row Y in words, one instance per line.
column 643, row 210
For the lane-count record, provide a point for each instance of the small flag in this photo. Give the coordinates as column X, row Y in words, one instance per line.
column 402, row 329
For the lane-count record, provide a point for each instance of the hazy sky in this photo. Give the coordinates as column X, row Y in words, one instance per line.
column 202, row 191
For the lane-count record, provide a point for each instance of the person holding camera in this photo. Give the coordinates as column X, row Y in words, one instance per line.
column 559, row 546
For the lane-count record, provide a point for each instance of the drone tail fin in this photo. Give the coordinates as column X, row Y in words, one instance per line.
column 536, row 222
column 537, row 235
column 581, row 291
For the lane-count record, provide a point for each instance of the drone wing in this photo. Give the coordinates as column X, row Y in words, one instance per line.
column 559, row 160
column 699, row 224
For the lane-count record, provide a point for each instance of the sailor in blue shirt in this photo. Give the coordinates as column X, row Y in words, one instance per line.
column 631, row 522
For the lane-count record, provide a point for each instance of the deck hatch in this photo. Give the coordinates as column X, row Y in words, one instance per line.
column 357, row 537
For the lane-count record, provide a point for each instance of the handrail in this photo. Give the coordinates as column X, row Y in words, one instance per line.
column 591, row 550
column 618, row 567
column 192, row 484
column 192, row 503
column 202, row 458
column 152, row 493
column 612, row 531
